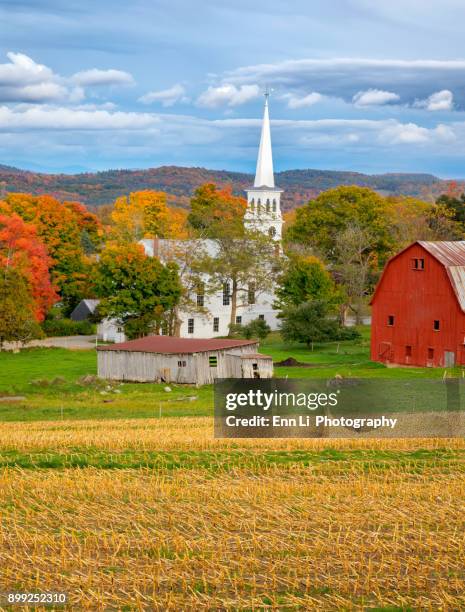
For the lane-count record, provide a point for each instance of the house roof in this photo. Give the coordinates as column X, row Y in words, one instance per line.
column 451, row 254
column 171, row 345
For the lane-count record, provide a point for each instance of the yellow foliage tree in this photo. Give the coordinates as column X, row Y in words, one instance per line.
column 145, row 214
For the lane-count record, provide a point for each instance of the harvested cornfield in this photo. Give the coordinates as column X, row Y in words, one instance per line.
column 156, row 515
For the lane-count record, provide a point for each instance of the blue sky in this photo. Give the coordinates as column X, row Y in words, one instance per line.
column 357, row 84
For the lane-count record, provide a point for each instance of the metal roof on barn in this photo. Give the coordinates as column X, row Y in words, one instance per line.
column 171, row 345
column 451, row 254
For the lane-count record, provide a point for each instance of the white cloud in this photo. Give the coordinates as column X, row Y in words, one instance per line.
column 310, row 99
column 167, row 97
column 375, row 97
column 228, row 95
column 345, row 77
column 96, row 77
column 439, row 101
column 24, row 80
column 65, row 118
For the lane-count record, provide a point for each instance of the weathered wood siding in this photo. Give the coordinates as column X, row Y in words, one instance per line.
column 154, row 367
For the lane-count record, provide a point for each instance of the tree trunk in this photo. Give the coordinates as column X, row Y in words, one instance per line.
column 232, row 319
column 343, row 314
column 176, row 331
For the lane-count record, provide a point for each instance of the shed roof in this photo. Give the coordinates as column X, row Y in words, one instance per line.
column 451, row 254
column 172, row 345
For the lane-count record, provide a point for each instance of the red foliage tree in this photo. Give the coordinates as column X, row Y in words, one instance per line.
column 22, row 250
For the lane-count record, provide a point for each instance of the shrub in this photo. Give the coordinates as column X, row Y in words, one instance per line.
column 67, row 327
column 258, row 328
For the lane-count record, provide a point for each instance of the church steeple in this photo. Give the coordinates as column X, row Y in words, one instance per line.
column 264, row 176
column 263, row 199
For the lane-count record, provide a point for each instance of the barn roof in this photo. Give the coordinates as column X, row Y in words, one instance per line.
column 447, row 252
column 451, row 254
column 170, row 345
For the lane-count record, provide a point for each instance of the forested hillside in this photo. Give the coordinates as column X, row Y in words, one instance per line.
column 94, row 189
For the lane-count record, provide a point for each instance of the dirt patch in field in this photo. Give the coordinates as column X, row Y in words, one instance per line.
column 290, row 362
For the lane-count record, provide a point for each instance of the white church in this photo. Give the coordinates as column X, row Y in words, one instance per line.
column 212, row 318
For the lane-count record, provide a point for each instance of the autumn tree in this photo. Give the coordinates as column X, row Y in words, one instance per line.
column 138, row 291
column 18, row 322
column 60, row 227
column 21, row 250
column 216, row 211
column 146, row 214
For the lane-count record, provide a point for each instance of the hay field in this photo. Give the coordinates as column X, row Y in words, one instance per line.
column 153, row 514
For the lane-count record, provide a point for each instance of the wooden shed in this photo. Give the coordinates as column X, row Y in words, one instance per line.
column 182, row 360
column 418, row 308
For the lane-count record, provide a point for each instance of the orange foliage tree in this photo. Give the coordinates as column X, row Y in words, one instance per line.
column 22, row 250
column 61, row 227
column 214, row 211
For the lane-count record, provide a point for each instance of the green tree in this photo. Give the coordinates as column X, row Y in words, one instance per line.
column 310, row 322
column 17, row 320
column 304, row 278
column 455, row 204
column 319, row 222
column 138, row 291
column 257, row 328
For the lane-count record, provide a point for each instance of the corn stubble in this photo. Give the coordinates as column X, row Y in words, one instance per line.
column 327, row 536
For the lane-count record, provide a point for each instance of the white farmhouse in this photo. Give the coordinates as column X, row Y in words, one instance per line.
column 263, row 214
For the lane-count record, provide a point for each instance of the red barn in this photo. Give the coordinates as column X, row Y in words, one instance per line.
column 418, row 308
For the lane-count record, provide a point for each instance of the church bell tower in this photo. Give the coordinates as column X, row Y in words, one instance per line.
column 263, row 199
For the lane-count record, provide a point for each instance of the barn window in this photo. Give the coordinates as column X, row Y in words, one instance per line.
column 182, row 364
column 213, row 361
column 390, row 320
column 190, row 326
column 251, row 293
column 261, row 317
column 418, row 264
column 436, row 325
column 239, row 320
column 216, row 324
column 226, row 294
column 430, row 354
column 408, row 351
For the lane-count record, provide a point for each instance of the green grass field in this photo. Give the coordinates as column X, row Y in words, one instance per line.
column 50, row 381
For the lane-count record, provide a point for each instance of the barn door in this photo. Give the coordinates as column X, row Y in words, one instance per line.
column 384, row 351
column 449, row 359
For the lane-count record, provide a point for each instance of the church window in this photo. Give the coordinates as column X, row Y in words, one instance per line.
column 268, row 206
column 216, row 324
column 261, row 317
column 272, row 232
column 251, row 294
column 274, row 206
column 226, row 294
column 239, row 320
column 190, row 326
column 201, row 295
column 252, row 205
